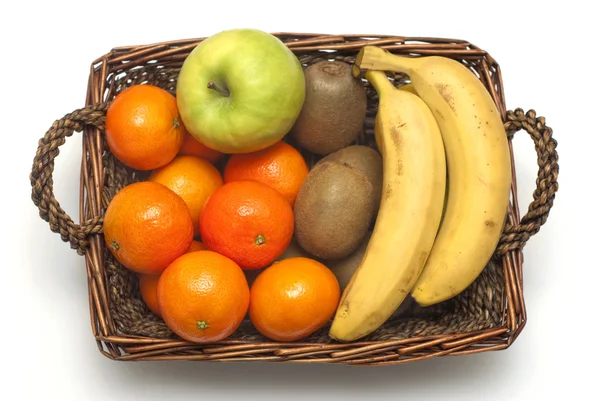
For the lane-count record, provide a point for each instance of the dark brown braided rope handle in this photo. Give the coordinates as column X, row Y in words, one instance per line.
column 513, row 238
column 42, row 184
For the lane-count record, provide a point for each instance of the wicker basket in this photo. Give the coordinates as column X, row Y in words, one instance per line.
column 489, row 315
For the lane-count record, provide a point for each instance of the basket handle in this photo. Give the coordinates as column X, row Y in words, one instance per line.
column 42, row 184
column 515, row 236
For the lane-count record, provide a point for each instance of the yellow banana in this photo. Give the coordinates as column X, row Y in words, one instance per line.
column 409, row 88
column 478, row 163
column 414, row 182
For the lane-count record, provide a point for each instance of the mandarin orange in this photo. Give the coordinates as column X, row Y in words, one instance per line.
column 149, row 282
column 280, row 166
column 193, row 179
column 203, row 296
column 143, row 127
column 147, row 226
column 197, row 246
column 247, row 221
column 192, row 147
column 293, row 298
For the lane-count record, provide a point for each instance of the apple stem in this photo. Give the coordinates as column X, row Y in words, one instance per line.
column 213, row 86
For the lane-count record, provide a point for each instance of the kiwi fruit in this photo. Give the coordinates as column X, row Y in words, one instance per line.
column 334, row 109
column 333, row 210
column 364, row 159
column 344, row 268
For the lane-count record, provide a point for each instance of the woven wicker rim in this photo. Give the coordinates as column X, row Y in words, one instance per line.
column 499, row 294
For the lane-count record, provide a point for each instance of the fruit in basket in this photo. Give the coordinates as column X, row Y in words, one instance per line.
column 414, row 182
column 147, row 226
column 148, row 283
column 479, row 169
column 294, row 250
column 293, row 298
column 344, row 269
column 197, row 246
column 192, row 147
column 143, row 127
column 249, row 222
column 333, row 210
column 148, row 286
column 240, row 90
column 192, row 178
column 334, row 109
column 366, row 160
column 203, row 296
column 405, row 87
column 409, row 88
column 280, row 166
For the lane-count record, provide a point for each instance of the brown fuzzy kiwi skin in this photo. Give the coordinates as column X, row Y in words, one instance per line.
column 364, row 159
column 344, row 268
column 333, row 211
column 334, row 109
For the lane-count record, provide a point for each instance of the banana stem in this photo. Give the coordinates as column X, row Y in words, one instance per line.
column 379, row 80
column 376, row 58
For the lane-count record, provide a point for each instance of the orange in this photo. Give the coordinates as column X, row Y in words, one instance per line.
column 293, row 298
column 192, row 178
column 203, row 296
column 197, row 246
column 149, row 282
column 249, row 222
column 280, row 166
column 147, row 226
column 192, row 147
column 143, row 127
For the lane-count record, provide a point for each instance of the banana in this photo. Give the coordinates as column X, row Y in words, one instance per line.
column 409, row 88
column 414, row 182
column 478, row 163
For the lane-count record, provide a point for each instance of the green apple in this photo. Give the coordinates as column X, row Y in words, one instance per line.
column 240, row 91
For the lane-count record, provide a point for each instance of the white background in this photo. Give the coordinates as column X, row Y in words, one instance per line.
column 548, row 56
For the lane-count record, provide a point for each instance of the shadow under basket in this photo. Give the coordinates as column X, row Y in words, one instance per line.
column 489, row 315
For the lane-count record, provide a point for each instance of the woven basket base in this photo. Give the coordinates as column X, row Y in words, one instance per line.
column 474, row 309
